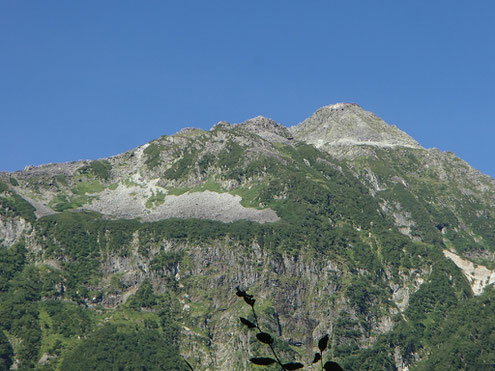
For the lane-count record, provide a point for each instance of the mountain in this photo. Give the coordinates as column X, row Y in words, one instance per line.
column 342, row 224
column 345, row 124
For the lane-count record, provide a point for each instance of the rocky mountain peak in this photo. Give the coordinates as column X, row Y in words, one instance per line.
column 348, row 124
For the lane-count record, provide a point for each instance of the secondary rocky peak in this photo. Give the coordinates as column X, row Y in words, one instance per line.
column 261, row 123
column 266, row 128
column 348, row 124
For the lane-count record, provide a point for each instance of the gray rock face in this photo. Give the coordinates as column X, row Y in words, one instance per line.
column 348, row 124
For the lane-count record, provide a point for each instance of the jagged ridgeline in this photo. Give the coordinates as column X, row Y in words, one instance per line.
column 342, row 225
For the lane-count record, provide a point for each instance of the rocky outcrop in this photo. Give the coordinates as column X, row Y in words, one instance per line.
column 478, row 276
column 12, row 230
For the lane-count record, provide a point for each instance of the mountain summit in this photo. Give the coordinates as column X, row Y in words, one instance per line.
column 348, row 124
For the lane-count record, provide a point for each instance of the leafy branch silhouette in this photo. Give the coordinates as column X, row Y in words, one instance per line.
column 267, row 339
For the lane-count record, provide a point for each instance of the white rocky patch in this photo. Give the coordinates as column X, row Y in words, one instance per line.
column 139, row 152
column 130, row 202
column 351, row 142
column 11, row 231
column 478, row 276
column 210, row 205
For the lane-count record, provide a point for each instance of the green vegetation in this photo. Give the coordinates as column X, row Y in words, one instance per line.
column 109, row 349
column 129, row 183
column 62, row 202
column 11, row 204
column 67, row 319
column 19, row 296
column 6, row 352
column 231, row 159
column 208, row 185
column 87, row 181
column 156, row 199
column 73, row 335
column 13, row 181
column 183, row 165
column 133, row 339
column 82, row 188
column 152, row 153
column 432, row 202
column 100, row 169
column 465, row 340
column 62, row 179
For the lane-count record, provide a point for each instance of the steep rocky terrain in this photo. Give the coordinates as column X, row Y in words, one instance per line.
column 342, row 224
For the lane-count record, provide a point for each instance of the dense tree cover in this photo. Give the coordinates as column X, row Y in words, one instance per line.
column 124, row 348
column 149, row 342
column 144, row 297
column 68, row 319
column 6, row 352
column 20, row 290
column 465, row 340
column 445, row 291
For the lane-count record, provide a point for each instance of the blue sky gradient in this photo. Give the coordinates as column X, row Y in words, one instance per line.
column 84, row 80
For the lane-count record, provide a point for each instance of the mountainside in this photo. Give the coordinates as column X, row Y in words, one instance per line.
column 342, row 224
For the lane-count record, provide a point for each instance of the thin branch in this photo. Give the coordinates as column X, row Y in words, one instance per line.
column 270, row 345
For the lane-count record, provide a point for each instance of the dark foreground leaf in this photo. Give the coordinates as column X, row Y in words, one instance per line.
column 262, row 361
column 293, row 366
column 332, row 366
column 249, row 300
column 248, row 323
column 322, row 344
column 317, row 357
column 264, row 338
column 240, row 293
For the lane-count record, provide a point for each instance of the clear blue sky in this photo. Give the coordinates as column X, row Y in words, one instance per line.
column 89, row 79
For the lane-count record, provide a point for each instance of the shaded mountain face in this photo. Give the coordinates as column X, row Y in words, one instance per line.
column 342, row 224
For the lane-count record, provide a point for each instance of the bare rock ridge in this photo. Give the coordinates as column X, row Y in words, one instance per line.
column 347, row 124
